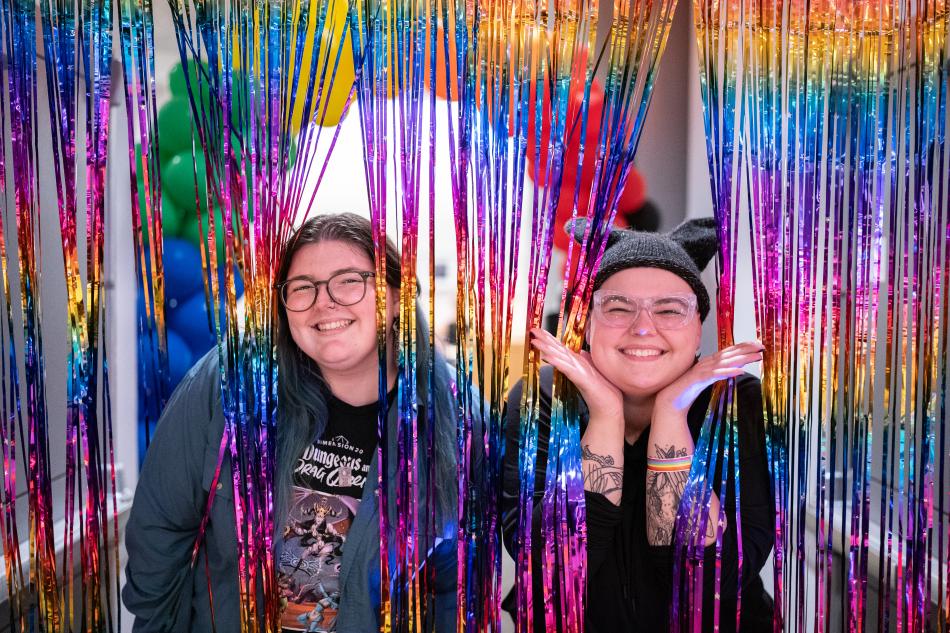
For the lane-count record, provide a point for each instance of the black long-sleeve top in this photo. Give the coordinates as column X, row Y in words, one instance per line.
column 628, row 580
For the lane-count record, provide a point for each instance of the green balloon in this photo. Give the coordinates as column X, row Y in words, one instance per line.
column 174, row 129
column 189, row 228
column 176, row 78
column 189, row 231
column 178, row 180
column 292, row 151
column 171, row 218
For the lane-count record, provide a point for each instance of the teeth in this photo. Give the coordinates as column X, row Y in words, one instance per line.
column 333, row 325
column 642, row 353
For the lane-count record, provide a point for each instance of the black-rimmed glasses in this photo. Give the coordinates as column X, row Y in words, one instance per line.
column 345, row 288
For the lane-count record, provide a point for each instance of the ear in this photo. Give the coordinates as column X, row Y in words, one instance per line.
column 577, row 228
column 699, row 238
column 392, row 304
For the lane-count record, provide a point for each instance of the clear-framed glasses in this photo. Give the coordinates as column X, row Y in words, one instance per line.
column 345, row 288
column 668, row 313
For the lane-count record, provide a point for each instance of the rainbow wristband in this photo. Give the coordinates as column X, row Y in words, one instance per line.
column 667, row 465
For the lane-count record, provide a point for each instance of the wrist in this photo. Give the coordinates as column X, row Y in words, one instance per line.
column 604, row 429
column 672, row 400
column 667, row 413
column 606, row 408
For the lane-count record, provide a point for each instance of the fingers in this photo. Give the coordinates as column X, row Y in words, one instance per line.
column 545, row 343
column 750, row 347
column 721, row 373
column 554, row 352
column 738, row 355
column 602, row 397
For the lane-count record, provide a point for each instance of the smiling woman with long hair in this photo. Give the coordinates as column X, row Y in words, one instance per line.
column 327, row 540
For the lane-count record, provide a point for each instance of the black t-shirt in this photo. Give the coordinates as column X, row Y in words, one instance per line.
column 328, row 485
column 628, row 580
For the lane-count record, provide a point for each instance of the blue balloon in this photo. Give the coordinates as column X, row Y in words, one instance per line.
column 147, row 401
column 190, row 321
column 183, row 271
column 180, row 358
column 142, row 438
column 238, row 283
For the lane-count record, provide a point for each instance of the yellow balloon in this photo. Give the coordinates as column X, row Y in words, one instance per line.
column 394, row 78
column 335, row 40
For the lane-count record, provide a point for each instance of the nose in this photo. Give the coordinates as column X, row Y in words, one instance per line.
column 643, row 323
column 323, row 298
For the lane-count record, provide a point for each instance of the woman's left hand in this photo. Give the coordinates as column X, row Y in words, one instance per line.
column 726, row 363
column 603, row 398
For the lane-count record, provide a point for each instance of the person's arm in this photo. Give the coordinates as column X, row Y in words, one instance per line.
column 167, row 509
column 602, row 515
column 757, row 516
column 602, row 442
column 670, row 442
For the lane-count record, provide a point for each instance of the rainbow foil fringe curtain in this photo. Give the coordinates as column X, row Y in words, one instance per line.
column 825, row 126
column 825, row 134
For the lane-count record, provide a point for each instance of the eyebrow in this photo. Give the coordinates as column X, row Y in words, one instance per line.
column 349, row 269
column 674, row 296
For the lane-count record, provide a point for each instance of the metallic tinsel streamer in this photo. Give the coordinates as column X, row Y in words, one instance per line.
column 137, row 39
column 77, row 77
column 511, row 64
column 624, row 59
column 836, row 114
column 243, row 100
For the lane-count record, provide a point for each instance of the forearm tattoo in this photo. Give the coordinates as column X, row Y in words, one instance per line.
column 663, row 493
column 601, row 473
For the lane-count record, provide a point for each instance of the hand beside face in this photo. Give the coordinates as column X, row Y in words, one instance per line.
column 602, row 397
column 726, row 363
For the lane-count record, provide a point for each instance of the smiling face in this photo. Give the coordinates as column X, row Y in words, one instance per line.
column 340, row 339
column 642, row 359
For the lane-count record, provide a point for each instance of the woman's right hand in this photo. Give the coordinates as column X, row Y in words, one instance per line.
column 602, row 397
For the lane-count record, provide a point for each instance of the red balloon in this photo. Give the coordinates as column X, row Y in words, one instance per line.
column 633, row 194
column 572, row 130
column 631, row 199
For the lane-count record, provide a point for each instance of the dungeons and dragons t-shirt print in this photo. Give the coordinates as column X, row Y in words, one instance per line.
column 328, row 486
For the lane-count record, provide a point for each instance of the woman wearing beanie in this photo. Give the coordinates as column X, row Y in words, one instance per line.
column 645, row 394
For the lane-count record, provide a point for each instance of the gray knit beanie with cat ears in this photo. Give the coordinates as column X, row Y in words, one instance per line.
column 685, row 252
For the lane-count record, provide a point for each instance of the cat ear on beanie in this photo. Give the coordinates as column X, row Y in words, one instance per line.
column 699, row 238
column 576, row 228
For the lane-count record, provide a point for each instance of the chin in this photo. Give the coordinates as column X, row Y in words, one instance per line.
column 336, row 361
column 641, row 387
column 641, row 391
